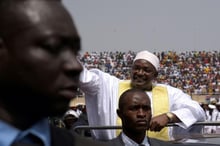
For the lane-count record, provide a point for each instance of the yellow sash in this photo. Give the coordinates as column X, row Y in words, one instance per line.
column 160, row 102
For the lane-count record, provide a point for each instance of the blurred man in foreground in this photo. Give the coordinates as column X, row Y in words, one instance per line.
column 39, row 71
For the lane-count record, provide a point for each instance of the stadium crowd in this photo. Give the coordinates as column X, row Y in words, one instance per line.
column 195, row 72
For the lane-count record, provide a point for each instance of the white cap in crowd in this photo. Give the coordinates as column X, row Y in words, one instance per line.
column 71, row 112
column 213, row 100
column 146, row 55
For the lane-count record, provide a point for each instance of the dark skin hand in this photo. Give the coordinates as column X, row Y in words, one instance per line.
column 159, row 122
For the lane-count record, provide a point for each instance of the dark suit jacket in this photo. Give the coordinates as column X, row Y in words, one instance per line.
column 62, row 137
column 154, row 142
column 118, row 142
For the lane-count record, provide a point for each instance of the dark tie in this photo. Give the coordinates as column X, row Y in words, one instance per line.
column 29, row 140
column 141, row 145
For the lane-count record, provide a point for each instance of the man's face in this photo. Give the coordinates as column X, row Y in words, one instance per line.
column 42, row 65
column 136, row 113
column 142, row 74
column 69, row 120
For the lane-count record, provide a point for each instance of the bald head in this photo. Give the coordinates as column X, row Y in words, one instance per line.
column 13, row 14
column 134, row 106
column 130, row 94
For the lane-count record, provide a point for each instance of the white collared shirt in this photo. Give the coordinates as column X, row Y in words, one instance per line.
column 129, row 142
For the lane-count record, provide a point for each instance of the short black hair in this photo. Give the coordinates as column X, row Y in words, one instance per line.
column 125, row 93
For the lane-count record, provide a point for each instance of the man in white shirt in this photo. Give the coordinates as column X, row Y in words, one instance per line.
column 216, row 118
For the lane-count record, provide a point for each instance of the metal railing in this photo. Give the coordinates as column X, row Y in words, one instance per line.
column 120, row 127
column 87, row 127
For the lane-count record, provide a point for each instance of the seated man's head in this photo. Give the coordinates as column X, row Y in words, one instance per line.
column 134, row 111
column 39, row 69
column 69, row 118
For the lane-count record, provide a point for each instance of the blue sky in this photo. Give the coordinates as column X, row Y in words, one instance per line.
column 155, row 25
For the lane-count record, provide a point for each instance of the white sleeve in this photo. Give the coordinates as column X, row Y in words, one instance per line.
column 186, row 109
column 101, row 91
column 89, row 82
column 214, row 115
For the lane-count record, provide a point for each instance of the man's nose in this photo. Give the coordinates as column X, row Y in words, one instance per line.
column 140, row 71
column 141, row 112
column 71, row 63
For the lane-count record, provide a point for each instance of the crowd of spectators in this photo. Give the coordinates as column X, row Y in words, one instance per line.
column 195, row 72
column 73, row 117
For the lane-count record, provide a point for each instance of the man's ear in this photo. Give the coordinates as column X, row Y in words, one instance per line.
column 3, row 50
column 156, row 74
column 119, row 112
column 2, row 44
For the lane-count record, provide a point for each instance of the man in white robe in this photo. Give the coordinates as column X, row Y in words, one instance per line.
column 102, row 92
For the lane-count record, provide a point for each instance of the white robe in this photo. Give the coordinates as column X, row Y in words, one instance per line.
column 101, row 96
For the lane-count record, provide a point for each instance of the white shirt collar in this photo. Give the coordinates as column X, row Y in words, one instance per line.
column 129, row 142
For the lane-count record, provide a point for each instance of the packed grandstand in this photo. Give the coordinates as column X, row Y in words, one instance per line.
column 195, row 72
